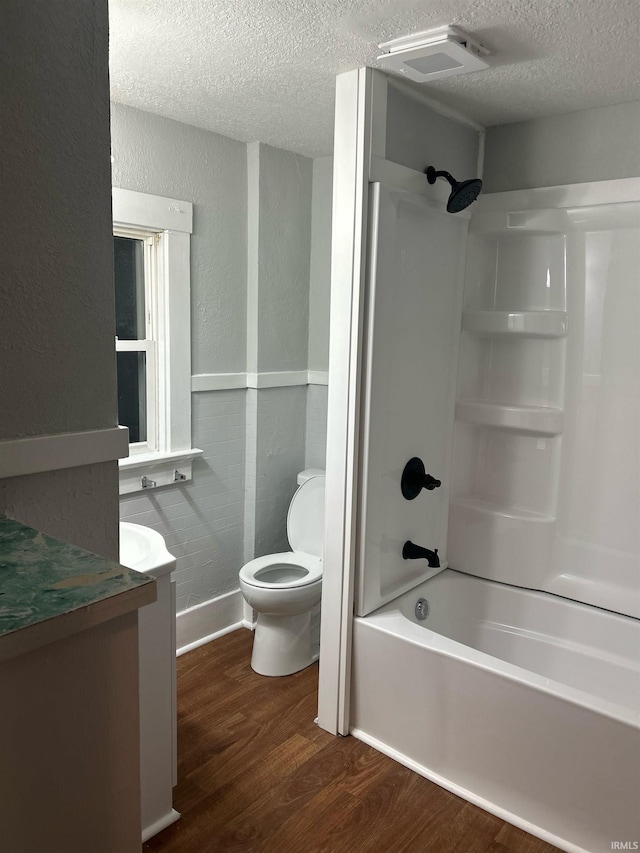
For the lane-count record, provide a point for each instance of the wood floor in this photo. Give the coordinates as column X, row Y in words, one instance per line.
column 256, row 775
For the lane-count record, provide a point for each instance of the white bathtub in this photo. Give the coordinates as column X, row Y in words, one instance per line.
column 526, row 704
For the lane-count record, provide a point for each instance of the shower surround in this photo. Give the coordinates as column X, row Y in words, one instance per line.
column 511, row 693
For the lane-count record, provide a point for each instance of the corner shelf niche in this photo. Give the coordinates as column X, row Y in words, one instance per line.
column 533, row 420
column 534, row 324
column 510, row 395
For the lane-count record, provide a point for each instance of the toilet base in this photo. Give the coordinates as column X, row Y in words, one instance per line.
column 282, row 644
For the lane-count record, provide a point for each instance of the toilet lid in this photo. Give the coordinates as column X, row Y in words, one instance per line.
column 305, row 521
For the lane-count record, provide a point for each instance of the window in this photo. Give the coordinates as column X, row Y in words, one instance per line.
column 135, row 338
column 152, row 294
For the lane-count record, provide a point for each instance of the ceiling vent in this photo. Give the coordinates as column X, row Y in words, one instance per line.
column 433, row 54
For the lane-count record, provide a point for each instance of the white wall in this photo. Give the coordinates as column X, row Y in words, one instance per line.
column 56, row 306
column 590, row 145
column 418, row 137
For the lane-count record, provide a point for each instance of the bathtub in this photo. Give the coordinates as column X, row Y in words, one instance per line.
column 523, row 703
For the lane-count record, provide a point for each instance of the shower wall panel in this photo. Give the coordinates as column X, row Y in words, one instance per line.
column 546, row 453
column 416, row 274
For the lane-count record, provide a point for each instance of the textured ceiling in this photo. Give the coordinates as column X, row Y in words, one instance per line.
column 264, row 69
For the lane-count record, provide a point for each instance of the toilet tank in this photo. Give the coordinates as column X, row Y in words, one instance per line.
column 305, row 475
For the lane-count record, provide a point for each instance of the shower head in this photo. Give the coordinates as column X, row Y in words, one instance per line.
column 463, row 193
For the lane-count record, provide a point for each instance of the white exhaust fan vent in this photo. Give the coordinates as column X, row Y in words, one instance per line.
column 433, row 54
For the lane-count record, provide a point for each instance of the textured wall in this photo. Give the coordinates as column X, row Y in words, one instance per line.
column 202, row 521
column 281, row 416
column 57, row 368
column 57, row 365
column 591, row 145
column 163, row 157
column 78, row 505
column 320, row 264
column 236, row 506
column 316, row 428
column 418, row 137
column 291, row 424
column 249, row 203
column 284, row 234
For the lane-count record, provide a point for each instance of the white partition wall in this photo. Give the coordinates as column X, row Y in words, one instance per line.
column 414, row 296
column 386, row 133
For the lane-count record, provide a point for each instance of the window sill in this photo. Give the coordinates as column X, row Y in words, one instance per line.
column 156, row 469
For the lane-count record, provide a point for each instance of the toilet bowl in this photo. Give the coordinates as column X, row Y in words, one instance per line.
column 284, row 588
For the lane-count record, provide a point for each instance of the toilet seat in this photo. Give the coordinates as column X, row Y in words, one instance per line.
column 305, row 518
column 305, row 530
column 309, row 565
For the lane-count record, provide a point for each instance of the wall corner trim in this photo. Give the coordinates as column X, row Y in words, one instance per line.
column 318, row 377
column 277, row 379
column 39, row 453
column 218, row 381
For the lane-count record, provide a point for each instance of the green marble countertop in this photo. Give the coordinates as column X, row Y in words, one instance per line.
column 42, row 578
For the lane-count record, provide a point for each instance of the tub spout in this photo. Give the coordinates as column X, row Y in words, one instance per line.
column 417, row 552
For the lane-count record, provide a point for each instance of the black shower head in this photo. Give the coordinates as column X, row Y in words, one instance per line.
column 463, row 193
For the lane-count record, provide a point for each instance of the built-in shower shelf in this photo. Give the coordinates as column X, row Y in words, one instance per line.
column 533, row 324
column 535, row 420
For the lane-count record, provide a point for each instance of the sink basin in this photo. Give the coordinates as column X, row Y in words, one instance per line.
column 143, row 550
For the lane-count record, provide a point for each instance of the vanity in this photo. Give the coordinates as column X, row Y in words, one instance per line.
column 69, row 714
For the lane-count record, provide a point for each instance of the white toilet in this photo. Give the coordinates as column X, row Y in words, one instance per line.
column 284, row 588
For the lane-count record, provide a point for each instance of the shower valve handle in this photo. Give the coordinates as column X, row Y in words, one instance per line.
column 410, row 551
column 415, row 478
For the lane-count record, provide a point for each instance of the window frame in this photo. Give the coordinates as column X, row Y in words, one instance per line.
column 148, row 344
column 170, row 222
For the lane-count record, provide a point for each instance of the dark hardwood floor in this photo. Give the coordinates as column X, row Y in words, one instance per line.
column 256, row 775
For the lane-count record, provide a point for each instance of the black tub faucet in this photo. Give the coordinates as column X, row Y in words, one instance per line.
column 417, row 552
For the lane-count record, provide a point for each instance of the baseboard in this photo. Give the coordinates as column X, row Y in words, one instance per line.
column 209, row 620
column 156, row 827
